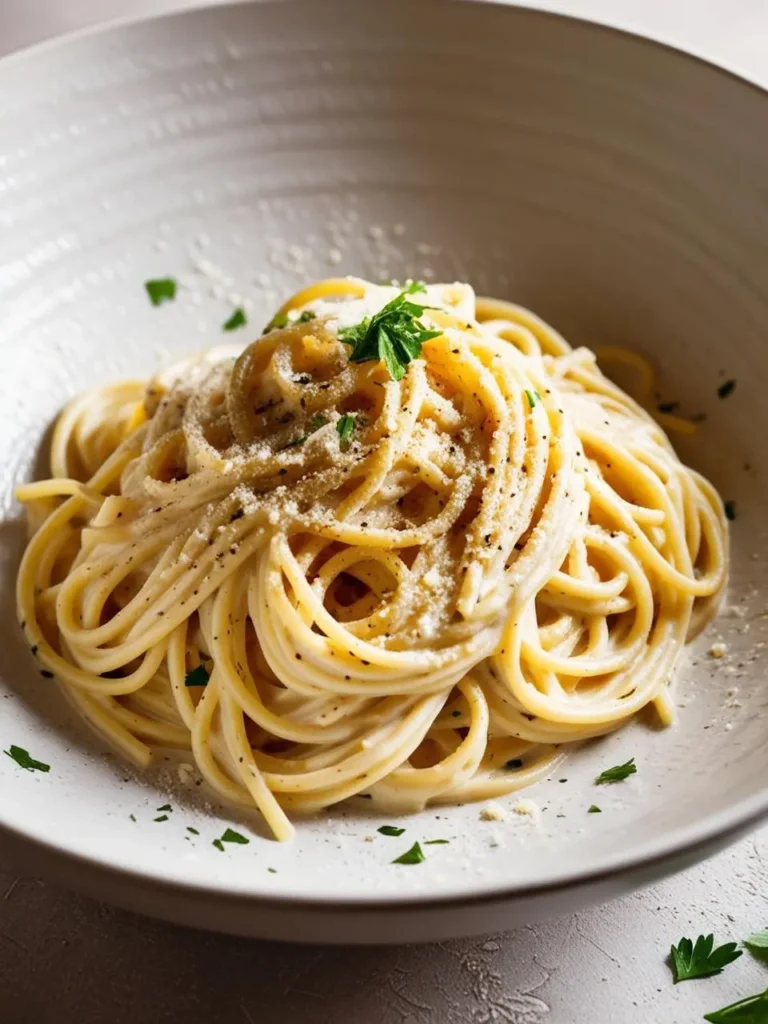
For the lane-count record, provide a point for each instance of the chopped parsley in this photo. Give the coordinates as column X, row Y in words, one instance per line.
column 132, row 817
column 197, row 676
column 165, row 807
column 238, row 319
column 617, row 774
column 726, row 388
column 24, row 760
column 317, row 421
column 192, row 830
column 533, row 397
column 702, row 959
column 730, row 510
column 218, row 844
column 436, row 842
column 272, row 871
column 345, row 428
column 413, row 856
column 513, row 764
column 230, row 836
column 394, row 335
column 752, row 1010
column 160, row 290
column 306, row 316
column 594, row 809
column 278, row 320
column 390, row 830
column 758, row 943
column 163, row 817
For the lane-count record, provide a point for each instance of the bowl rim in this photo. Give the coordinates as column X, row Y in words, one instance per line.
column 698, row 839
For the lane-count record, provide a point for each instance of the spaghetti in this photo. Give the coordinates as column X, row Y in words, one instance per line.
column 417, row 591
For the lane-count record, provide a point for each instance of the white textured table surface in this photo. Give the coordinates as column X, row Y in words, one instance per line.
column 67, row 959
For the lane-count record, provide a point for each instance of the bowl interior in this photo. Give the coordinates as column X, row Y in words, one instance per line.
column 615, row 187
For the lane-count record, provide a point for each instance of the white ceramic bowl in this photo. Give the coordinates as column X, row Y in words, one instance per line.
column 615, row 186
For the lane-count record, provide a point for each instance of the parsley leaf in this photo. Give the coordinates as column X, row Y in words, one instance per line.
column 726, row 388
column 160, row 290
column 345, row 428
column 163, row 817
column 436, row 842
column 218, row 844
column 278, row 320
column 757, row 943
column 730, row 510
column 390, row 830
column 238, row 319
column 230, row 836
column 24, row 760
column 197, row 676
column 752, row 1010
column 533, row 397
column 617, row 774
column 192, row 830
column 594, row 809
column 394, row 335
column 413, row 856
column 701, row 960
column 306, row 316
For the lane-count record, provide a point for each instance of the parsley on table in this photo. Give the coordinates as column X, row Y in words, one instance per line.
column 197, row 676
column 345, row 428
column 702, row 959
column 163, row 817
column 413, row 856
column 160, row 290
column 730, row 510
column 394, row 335
column 726, row 388
column 617, row 774
column 436, row 842
column 752, row 1010
column 218, row 844
column 390, row 830
column 594, row 809
column 24, row 760
column 757, row 943
column 238, row 319
column 230, row 836
column 192, row 830
column 165, row 807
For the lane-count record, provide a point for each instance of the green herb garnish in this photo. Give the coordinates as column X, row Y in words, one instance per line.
column 730, row 510
column 238, row 319
column 436, row 842
column 726, row 388
column 413, row 856
column 278, row 320
column 345, row 428
column 752, row 1010
column 165, row 807
column 617, row 773
column 24, row 760
column 197, row 676
column 757, row 943
column 132, row 817
column 594, row 809
column 272, row 871
column 306, row 316
column 701, row 960
column 390, row 830
column 315, row 423
column 163, row 817
column 160, row 290
column 218, row 844
column 192, row 830
column 668, row 407
column 533, row 397
column 394, row 335
column 230, row 836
